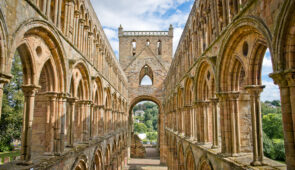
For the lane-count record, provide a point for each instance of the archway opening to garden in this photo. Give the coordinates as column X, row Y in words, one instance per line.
column 144, row 127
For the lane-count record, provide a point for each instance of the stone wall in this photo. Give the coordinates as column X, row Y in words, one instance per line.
column 137, row 150
column 213, row 87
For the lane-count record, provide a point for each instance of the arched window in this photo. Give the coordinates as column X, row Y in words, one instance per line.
column 146, row 81
column 148, row 42
column 159, row 47
column 133, row 45
column 146, row 76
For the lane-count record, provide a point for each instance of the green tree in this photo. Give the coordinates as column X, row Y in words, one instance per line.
column 140, row 128
column 152, row 136
column 272, row 125
column 147, row 116
column 12, row 107
column 149, row 125
column 276, row 103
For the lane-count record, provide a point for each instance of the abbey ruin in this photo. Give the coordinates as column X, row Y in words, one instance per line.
column 78, row 97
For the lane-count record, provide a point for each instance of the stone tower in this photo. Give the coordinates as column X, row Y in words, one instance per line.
column 146, row 53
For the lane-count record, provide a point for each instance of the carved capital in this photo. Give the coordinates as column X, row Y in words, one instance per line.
column 30, row 90
column 255, row 90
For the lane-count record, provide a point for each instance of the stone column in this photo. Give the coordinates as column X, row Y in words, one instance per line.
column 223, row 97
column 86, row 121
column 206, row 120
column 182, row 117
column 63, row 104
column 81, row 33
column 29, row 104
column 102, row 120
column 50, row 134
column 48, row 9
column 191, row 117
column 76, row 28
column 254, row 91
column 214, row 102
column 195, row 122
column 92, row 120
column 235, row 123
column 72, row 102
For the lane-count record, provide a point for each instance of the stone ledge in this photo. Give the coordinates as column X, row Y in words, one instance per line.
column 239, row 162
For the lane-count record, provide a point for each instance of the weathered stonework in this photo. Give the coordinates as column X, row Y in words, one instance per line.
column 146, row 53
column 78, row 98
column 137, row 149
column 212, row 90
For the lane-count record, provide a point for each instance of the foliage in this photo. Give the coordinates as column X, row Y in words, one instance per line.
column 273, row 142
column 140, row 128
column 12, row 107
column 272, row 125
column 152, row 136
column 148, row 122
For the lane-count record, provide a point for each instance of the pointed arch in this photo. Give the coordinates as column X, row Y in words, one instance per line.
column 180, row 156
column 146, row 71
column 190, row 159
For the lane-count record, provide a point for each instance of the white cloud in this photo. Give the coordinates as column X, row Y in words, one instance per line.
column 270, row 92
column 267, row 62
column 177, row 35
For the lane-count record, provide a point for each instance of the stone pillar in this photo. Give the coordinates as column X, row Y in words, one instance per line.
column 72, row 102
column 195, row 122
column 86, row 121
column 81, row 33
column 76, row 28
column 235, row 123
column 101, row 120
column 254, row 92
column 286, row 82
column 223, row 122
column 229, row 116
column 92, row 121
column 182, row 119
column 63, row 104
column 29, row 104
column 215, row 129
column 192, row 125
column 50, row 134
column 48, row 9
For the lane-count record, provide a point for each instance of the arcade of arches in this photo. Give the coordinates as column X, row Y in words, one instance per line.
column 77, row 96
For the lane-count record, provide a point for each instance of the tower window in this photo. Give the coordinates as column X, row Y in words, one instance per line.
column 133, row 45
column 147, row 42
column 159, row 47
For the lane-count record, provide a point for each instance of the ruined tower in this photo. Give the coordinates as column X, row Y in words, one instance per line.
column 146, row 54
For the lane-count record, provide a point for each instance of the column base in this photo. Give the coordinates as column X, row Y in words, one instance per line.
column 256, row 163
column 25, row 163
column 48, row 153
column 214, row 147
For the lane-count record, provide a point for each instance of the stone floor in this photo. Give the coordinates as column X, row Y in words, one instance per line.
column 151, row 162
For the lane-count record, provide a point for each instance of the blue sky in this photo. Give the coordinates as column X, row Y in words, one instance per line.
column 158, row 15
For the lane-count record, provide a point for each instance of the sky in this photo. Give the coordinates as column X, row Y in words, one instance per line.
column 157, row 15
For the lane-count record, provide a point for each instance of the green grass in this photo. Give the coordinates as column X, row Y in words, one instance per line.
column 10, row 154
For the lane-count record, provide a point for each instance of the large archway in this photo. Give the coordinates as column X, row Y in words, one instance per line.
column 160, row 127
